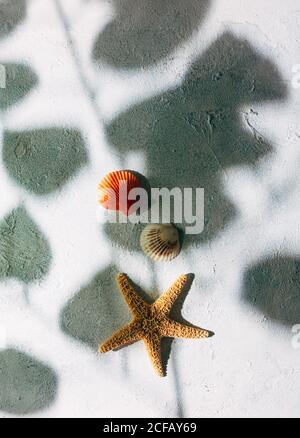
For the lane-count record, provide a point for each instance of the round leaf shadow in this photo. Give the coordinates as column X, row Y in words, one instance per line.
column 27, row 385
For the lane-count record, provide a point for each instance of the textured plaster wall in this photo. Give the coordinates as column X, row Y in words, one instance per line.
column 194, row 93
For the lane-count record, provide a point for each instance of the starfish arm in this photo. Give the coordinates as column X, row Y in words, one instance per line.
column 153, row 347
column 172, row 329
column 126, row 335
column 165, row 303
column 135, row 303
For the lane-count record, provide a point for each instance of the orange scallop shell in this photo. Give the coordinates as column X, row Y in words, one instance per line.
column 114, row 188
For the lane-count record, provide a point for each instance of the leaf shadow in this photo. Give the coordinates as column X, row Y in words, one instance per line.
column 146, row 31
column 43, row 160
column 192, row 134
column 272, row 287
column 25, row 253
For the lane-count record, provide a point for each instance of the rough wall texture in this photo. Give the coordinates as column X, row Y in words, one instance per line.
column 195, row 93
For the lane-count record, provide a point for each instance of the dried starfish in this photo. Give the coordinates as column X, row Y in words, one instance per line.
column 151, row 322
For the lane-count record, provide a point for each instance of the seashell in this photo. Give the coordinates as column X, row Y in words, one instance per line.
column 160, row 242
column 114, row 188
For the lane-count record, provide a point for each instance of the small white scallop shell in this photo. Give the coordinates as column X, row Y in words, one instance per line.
column 160, row 242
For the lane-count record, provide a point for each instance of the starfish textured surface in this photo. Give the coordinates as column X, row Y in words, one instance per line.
column 151, row 322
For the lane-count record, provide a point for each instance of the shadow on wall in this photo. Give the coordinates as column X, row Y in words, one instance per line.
column 96, row 311
column 42, row 161
column 99, row 309
column 12, row 13
column 146, row 31
column 25, row 254
column 273, row 286
column 27, row 386
column 20, row 80
column 176, row 315
column 193, row 133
